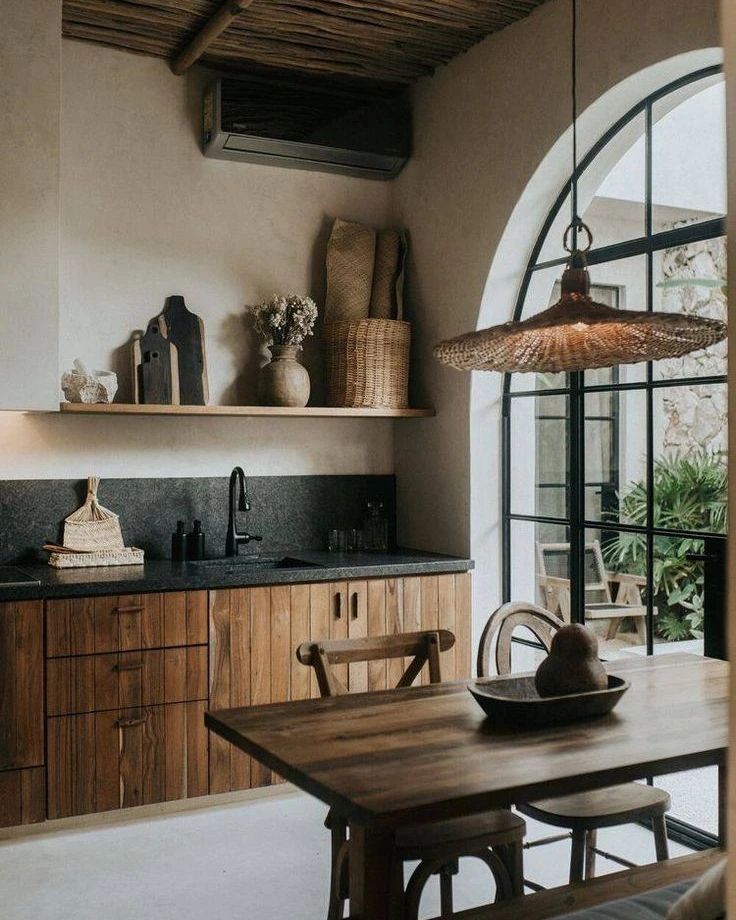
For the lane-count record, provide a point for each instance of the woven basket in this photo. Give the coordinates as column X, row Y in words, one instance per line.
column 92, row 528
column 367, row 363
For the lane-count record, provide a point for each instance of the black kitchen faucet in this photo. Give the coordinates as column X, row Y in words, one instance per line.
column 234, row 538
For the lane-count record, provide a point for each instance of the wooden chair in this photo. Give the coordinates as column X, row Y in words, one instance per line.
column 553, row 562
column 495, row 837
column 584, row 813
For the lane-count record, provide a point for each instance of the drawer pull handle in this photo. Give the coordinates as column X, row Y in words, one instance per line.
column 131, row 723
column 134, row 608
column 338, row 606
column 354, row 602
column 129, row 666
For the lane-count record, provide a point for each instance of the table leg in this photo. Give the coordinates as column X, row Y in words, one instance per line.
column 722, row 802
column 376, row 889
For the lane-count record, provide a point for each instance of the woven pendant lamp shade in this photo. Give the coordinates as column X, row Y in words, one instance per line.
column 577, row 334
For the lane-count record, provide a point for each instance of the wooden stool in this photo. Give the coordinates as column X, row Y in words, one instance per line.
column 585, row 812
column 495, row 837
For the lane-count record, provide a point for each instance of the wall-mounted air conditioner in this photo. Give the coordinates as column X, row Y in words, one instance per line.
column 326, row 127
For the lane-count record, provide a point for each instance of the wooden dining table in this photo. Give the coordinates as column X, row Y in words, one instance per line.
column 397, row 758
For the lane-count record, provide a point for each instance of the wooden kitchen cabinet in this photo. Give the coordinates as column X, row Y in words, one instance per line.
column 94, row 625
column 21, row 685
column 126, row 681
column 254, row 633
column 127, row 686
column 100, row 761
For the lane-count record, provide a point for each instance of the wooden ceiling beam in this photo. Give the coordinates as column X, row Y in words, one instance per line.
column 210, row 32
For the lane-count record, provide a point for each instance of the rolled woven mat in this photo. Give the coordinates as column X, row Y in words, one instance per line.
column 351, row 252
column 385, row 275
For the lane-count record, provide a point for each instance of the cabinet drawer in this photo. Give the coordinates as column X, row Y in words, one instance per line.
column 121, row 680
column 107, row 760
column 89, row 625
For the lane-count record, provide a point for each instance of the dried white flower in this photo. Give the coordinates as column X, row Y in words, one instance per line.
column 284, row 320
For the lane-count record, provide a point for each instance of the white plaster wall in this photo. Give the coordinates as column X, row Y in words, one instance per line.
column 492, row 152
column 145, row 215
column 30, row 65
column 54, row 446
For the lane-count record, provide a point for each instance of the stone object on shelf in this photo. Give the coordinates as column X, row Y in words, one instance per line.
column 83, row 386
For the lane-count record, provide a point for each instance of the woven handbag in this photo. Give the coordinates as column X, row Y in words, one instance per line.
column 367, row 363
column 92, row 528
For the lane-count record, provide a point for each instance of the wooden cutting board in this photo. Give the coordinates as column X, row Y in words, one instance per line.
column 185, row 330
column 155, row 368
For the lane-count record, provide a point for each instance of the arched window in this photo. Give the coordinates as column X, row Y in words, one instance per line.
column 614, row 481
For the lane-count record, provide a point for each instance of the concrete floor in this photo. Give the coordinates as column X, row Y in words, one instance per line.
column 259, row 860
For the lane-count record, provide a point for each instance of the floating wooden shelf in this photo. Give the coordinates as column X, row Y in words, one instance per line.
column 267, row 411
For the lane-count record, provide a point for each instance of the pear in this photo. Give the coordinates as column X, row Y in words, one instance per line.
column 572, row 665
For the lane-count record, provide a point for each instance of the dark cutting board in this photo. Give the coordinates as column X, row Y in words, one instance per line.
column 185, row 330
column 155, row 368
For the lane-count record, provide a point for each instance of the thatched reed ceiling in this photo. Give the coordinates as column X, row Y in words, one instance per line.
column 391, row 41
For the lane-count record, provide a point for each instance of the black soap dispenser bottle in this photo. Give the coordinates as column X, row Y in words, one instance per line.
column 179, row 543
column 195, row 542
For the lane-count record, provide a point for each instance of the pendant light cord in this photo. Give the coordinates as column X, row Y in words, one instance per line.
column 571, row 240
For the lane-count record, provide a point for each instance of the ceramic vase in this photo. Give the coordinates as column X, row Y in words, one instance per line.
column 283, row 381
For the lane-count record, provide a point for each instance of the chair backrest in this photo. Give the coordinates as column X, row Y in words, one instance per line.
column 553, row 560
column 495, row 641
column 422, row 647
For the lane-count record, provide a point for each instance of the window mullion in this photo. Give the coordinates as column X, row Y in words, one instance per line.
column 577, row 497
column 506, row 498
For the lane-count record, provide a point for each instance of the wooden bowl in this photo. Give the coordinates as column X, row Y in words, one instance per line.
column 515, row 702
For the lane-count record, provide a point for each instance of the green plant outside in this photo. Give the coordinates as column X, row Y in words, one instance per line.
column 690, row 493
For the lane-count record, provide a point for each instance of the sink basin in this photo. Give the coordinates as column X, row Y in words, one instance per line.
column 256, row 560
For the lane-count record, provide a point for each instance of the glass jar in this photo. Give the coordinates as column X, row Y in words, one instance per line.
column 375, row 529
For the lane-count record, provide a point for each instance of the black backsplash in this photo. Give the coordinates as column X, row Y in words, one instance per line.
column 293, row 512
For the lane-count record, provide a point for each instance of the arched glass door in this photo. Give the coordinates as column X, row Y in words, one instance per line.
column 614, row 481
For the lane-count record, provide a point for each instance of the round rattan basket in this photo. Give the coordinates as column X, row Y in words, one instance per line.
column 367, row 363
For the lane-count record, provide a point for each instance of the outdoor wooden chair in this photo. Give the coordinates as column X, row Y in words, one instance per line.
column 495, row 837
column 553, row 572
column 583, row 813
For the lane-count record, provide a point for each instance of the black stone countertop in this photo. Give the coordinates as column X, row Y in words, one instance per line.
column 163, row 575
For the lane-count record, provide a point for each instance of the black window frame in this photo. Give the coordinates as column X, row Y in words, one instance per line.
column 576, row 523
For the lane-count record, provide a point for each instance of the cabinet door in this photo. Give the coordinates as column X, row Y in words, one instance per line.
column 358, row 629
column 107, row 760
column 84, row 626
column 444, row 603
column 254, row 634
column 22, row 796
column 230, row 682
column 339, row 619
column 463, row 624
column 242, row 644
column 21, row 685
column 385, row 606
column 429, row 602
column 322, row 610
